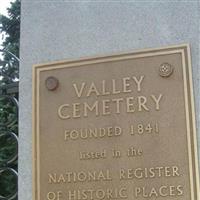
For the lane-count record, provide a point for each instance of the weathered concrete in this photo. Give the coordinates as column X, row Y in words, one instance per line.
column 57, row 30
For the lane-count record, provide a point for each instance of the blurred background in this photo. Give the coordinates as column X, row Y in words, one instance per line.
column 9, row 79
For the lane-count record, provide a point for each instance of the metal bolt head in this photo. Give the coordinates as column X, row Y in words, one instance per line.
column 165, row 70
column 51, row 83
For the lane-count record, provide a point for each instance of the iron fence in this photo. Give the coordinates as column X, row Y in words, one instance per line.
column 9, row 138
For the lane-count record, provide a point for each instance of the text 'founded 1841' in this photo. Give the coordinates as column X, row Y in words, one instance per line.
column 116, row 127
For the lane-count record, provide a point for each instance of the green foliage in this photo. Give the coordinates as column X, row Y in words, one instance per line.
column 9, row 73
column 10, row 28
column 8, row 179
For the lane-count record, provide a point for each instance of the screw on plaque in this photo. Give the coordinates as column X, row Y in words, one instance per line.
column 165, row 69
column 51, row 83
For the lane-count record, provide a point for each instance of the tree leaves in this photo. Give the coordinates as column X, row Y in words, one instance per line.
column 9, row 73
column 10, row 26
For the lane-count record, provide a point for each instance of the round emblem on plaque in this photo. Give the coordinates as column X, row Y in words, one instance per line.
column 166, row 70
column 51, row 83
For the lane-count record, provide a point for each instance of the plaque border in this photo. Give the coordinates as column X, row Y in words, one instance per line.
column 183, row 49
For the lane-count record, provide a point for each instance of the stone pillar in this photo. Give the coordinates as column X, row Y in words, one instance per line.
column 60, row 30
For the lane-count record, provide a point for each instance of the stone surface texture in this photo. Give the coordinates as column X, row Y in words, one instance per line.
column 59, row 30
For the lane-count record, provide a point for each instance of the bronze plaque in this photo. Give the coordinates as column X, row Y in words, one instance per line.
column 116, row 127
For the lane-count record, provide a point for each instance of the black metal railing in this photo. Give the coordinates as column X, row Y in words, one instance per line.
column 9, row 138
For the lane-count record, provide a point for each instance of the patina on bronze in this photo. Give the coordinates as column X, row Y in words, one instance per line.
column 117, row 127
